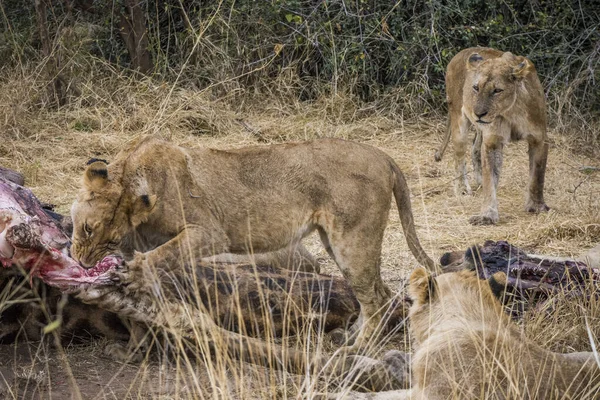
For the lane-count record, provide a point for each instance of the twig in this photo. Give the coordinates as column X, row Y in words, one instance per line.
column 256, row 132
column 579, row 184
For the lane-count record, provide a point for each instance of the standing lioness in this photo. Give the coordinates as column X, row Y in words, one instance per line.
column 170, row 202
column 501, row 95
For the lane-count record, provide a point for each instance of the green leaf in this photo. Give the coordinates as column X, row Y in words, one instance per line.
column 588, row 170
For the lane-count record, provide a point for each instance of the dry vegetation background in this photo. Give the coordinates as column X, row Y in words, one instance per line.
column 240, row 74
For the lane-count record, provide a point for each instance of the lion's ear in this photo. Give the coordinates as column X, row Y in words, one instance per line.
column 522, row 69
column 95, row 175
column 498, row 283
column 421, row 285
column 142, row 208
column 474, row 60
column 508, row 56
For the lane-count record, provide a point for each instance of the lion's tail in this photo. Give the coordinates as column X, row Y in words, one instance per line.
column 440, row 153
column 402, row 196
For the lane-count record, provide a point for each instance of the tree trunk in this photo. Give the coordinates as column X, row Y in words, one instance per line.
column 56, row 88
column 132, row 24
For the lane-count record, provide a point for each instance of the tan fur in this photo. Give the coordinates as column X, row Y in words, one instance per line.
column 296, row 258
column 168, row 203
column 501, row 95
column 468, row 348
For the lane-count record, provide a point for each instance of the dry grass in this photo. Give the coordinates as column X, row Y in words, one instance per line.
column 51, row 148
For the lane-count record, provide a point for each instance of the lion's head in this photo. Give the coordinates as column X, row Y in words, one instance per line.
column 105, row 212
column 459, row 296
column 492, row 85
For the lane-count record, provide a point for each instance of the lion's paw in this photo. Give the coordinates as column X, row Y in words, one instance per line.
column 398, row 366
column 483, row 220
column 536, row 207
column 122, row 353
column 341, row 337
column 463, row 190
column 369, row 374
column 134, row 275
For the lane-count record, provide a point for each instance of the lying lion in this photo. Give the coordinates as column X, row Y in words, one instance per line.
column 468, row 348
column 159, row 204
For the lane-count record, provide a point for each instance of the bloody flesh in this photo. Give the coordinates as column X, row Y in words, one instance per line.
column 32, row 240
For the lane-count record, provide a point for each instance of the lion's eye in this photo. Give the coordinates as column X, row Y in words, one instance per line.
column 498, row 90
column 87, row 229
column 476, row 88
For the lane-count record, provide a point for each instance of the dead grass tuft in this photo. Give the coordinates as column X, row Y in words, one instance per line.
column 568, row 322
column 569, row 230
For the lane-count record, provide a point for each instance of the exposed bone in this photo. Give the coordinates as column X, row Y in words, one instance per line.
column 591, row 258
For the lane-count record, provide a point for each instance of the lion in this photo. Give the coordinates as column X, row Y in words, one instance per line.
column 467, row 347
column 501, row 95
column 158, row 203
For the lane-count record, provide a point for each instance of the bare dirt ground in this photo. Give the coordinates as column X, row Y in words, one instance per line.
column 52, row 153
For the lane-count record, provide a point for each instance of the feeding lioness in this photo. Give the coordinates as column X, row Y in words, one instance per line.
column 501, row 95
column 166, row 202
column 467, row 347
